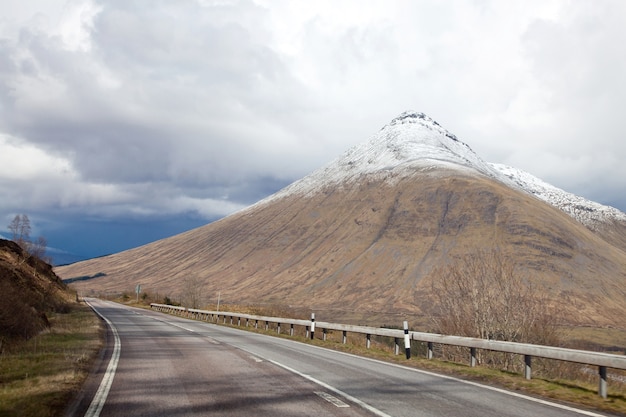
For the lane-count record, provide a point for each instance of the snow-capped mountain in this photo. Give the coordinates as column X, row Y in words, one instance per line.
column 371, row 231
column 588, row 212
column 413, row 140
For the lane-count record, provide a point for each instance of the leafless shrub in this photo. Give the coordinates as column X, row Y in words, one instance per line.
column 483, row 295
column 193, row 291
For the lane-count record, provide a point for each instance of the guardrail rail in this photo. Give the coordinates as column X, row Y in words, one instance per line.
column 602, row 360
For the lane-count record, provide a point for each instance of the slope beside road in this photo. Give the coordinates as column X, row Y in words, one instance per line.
column 177, row 367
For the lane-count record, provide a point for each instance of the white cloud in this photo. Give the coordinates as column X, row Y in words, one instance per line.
column 219, row 102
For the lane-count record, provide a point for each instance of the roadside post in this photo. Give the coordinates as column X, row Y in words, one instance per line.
column 312, row 326
column 407, row 342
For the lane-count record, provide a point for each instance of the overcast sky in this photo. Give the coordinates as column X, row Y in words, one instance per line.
column 122, row 122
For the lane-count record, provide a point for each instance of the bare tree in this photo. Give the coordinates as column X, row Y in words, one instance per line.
column 20, row 230
column 38, row 248
column 193, row 292
column 483, row 295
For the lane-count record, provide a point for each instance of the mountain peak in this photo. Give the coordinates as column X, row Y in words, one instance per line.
column 414, row 117
column 413, row 142
column 410, row 142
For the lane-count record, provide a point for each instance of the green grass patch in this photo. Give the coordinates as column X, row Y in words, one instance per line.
column 39, row 377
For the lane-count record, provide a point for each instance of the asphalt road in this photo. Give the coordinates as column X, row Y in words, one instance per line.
column 161, row 365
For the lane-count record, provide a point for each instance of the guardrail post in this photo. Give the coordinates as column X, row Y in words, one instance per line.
column 472, row 357
column 256, row 324
column 324, row 334
column 238, row 321
column 602, row 391
column 344, row 339
column 407, row 341
column 267, row 325
column 396, row 349
column 527, row 366
column 291, row 330
column 278, row 327
column 312, row 326
column 429, row 352
column 368, row 340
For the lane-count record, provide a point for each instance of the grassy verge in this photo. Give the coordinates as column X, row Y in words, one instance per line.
column 40, row 376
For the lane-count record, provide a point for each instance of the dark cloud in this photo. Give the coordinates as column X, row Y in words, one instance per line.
column 122, row 110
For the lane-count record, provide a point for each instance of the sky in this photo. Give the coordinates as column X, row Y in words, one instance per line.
column 124, row 122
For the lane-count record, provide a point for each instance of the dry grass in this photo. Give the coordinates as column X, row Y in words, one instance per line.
column 39, row 377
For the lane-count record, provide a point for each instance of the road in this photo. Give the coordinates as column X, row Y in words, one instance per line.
column 164, row 365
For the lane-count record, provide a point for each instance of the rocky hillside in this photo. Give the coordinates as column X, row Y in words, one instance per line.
column 366, row 233
column 28, row 290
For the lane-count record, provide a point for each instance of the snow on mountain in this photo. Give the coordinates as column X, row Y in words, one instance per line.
column 585, row 211
column 413, row 141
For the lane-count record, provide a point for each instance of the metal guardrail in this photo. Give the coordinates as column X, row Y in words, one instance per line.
column 528, row 351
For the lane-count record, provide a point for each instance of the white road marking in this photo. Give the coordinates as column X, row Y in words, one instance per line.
column 380, row 413
column 257, row 360
column 331, row 399
column 500, row 390
column 103, row 390
column 333, row 389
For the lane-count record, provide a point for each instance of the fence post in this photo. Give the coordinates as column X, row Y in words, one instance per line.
column 602, row 383
column 527, row 366
column 407, row 341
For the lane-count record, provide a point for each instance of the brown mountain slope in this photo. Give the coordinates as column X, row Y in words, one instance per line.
column 371, row 245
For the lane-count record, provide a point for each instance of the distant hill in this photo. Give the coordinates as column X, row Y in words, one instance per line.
column 361, row 237
column 29, row 289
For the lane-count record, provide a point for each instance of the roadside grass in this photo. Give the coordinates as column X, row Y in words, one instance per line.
column 39, row 377
column 578, row 392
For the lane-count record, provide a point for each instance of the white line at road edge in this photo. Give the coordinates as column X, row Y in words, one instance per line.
column 380, row 413
column 103, row 391
column 500, row 390
column 333, row 389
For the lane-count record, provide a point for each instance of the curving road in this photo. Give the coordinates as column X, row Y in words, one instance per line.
column 161, row 365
